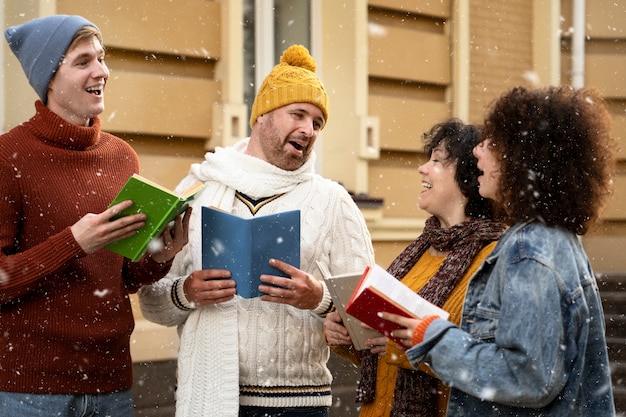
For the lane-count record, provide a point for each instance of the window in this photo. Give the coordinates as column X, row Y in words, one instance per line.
column 270, row 27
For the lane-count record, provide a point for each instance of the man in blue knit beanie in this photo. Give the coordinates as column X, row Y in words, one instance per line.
column 40, row 45
column 65, row 313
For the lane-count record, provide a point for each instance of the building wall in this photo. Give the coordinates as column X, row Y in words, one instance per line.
column 504, row 53
column 605, row 69
column 402, row 56
column 410, row 84
column 414, row 80
column 501, row 50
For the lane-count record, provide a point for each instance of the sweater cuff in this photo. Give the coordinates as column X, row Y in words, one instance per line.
column 326, row 305
column 420, row 330
column 178, row 295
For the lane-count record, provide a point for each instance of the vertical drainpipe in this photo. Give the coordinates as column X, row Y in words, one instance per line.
column 578, row 48
column 578, row 44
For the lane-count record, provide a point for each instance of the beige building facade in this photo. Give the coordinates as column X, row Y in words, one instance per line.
column 183, row 73
column 181, row 82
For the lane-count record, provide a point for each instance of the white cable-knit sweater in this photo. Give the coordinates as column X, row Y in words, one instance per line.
column 247, row 351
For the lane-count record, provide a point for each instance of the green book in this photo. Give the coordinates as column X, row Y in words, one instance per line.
column 244, row 246
column 158, row 203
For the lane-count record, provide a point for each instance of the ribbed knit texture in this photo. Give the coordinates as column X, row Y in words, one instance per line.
column 418, row 333
column 276, row 353
column 65, row 317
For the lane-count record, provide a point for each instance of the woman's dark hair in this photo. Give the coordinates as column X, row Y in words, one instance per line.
column 459, row 139
column 556, row 155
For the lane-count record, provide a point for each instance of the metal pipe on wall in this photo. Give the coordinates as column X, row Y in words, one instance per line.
column 578, row 43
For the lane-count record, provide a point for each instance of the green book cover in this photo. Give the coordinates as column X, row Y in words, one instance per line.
column 244, row 246
column 158, row 203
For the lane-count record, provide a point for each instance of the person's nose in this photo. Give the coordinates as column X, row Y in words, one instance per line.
column 101, row 70
column 307, row 128
column 478, row 149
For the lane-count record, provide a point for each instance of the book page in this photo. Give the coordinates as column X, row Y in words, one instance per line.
column 154, row 184
column 395, row 290
column 188, row 192
column 244, row 245
column 192, row 190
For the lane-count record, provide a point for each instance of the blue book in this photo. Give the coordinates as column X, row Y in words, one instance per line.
column 245, row 246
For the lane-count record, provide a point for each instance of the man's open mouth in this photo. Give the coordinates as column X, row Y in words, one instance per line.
column 95, row 90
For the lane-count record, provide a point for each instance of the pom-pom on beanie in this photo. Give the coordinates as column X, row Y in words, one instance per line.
column 293, row 80
column 40, row 45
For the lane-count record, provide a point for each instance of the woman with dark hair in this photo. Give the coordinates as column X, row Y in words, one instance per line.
column 437, row 265
column 531, row 340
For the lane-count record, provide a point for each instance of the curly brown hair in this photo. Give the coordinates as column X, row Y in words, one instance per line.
column 556, row 155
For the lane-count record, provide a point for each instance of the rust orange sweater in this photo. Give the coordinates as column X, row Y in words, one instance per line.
column 65, row 316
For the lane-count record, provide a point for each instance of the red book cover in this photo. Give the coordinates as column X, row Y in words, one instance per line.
column 366, row 306
column 379, row 291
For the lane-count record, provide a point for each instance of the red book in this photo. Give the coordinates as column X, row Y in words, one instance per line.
column 379, row 291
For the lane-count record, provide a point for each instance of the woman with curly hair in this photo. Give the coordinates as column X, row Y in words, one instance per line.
column 531, row 340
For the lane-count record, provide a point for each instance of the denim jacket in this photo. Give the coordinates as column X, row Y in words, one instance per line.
column 531, row 340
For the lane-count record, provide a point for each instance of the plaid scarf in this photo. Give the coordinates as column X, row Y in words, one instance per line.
column 415, row 391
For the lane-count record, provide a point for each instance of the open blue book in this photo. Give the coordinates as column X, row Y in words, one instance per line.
column 245, row 246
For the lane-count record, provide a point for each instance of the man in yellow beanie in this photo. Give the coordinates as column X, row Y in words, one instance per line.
column 293, row 80
column 265, row 356
column 294, row 85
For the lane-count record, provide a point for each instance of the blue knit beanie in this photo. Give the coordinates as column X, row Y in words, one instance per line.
column 40, row 45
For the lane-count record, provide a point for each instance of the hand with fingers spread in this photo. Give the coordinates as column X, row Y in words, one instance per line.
column 301, row 290
column 210, row 286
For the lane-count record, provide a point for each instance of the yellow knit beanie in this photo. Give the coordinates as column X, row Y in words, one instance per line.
column 293, row 80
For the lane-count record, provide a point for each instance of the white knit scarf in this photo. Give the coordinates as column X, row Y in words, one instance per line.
column 208, row 363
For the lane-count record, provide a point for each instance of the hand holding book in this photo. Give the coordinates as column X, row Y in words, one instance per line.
column 206, row 287
column 411, row 330
column 380, row 292
column 93, row 232
column 335, row 330
column 296, row 287
column 173, row 238
column 244, row 246
column 160, row 205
